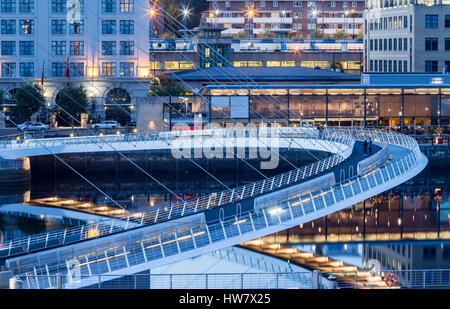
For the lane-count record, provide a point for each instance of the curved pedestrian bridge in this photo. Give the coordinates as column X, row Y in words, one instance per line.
column 223, row 219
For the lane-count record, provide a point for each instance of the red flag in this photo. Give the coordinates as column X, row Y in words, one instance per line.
column 67, row 73
column 42, row 76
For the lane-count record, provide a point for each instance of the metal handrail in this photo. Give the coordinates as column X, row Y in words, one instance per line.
column 406, row 279
column 158, row 244
column 181, row 209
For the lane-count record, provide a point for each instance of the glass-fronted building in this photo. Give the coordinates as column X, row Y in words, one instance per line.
column 417, row 109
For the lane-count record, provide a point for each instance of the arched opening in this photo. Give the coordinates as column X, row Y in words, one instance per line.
column 118, row 106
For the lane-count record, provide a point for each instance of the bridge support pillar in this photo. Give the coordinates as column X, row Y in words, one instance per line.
column 59, row 285
column 332, row 285
column 4, row 279
column 316, row 280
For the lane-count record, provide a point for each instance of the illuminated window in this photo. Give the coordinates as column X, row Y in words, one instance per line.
column 155, row 65
column 186, row 65
column 172, row 65
column 254, row 63
column 288, row 63
column 273, row 63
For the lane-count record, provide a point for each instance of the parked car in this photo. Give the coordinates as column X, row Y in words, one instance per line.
column 33, row 126
column 108, row 124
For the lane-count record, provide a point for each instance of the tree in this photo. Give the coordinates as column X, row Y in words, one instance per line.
column 340, row 34
column 167, row 87
column 240, row 35
column 296, row 35
column 30, row 100
column 265, row 35
column 2, row 97
column 72, row 101
column 320, row 34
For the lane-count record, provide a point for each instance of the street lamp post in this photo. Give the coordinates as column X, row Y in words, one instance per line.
column 313, row 28
column 345, row 26
column 250, row 13
column 152, row 14
column 185, row 17
column 283, row 15
column 353, row 24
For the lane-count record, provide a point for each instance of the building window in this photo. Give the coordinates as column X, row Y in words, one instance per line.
column 26, row 6
column 58, row 69
column 59, row 6
column 77, row 27
column 58, row 26
column 26, row 69
column 8, row 48
column 76, row 48
column 108, row 48
column 431, row 44
column 186, row 65
column 447, row 43
column 26, row 48
column 429, row 253
column 77, row 69
column 108, row 27
column 447, row 21
column 8, row 26
column 345, row 4
column 431, row 21
column 354, row 4
column 126, row 27
column 126, row 48
column 227, row 4
column 297, row 4
column 431, row 66
column 109, row 69
column 126, row 69
column 108, row 6
column 275, row 4
column 8, row 69
column 333, row 4
column 8, row 6
column 26, row 26
column 59, row 48
column 126, row 6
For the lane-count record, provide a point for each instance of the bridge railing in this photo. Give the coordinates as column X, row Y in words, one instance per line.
column 141, row 246
column 361, row 279
column 180, row 209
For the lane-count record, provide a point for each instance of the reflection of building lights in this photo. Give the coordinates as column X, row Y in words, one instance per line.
column 93, row 232
column 275, row 211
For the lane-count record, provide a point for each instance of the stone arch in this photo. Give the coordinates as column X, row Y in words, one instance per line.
column 117, row 102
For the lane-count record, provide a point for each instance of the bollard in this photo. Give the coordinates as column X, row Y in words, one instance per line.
column 15, row 283
column 332, row 284
column 316, row 280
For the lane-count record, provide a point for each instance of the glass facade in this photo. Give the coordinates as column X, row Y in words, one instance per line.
column 415, row 110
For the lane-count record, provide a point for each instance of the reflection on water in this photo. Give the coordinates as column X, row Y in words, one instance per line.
column 386, row 227
column 16, row 226
column 391, row 256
